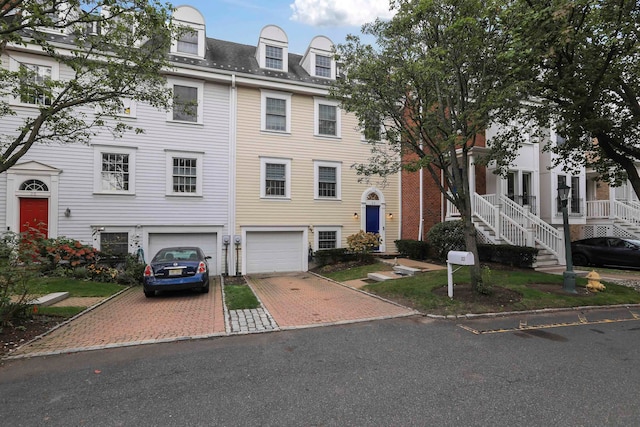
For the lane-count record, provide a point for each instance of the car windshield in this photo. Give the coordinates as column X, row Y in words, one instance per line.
column 634, row 243
column 176, row 254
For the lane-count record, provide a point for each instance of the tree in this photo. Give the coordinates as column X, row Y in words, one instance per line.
column 439, row 75
column 110, row 51
column 586, row 58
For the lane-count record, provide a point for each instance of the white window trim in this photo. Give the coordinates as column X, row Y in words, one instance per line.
column 316, row 178
column 198, row 84
column 313, row 65
column 98, row 150
column 316, row 235
column 15, row 60
column 169, row 156
column 198, row 28
column 264, row 94
column 316, row 117
column 263, row 177
column 262, row 54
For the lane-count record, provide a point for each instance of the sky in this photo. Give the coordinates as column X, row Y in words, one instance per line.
column 240, row 21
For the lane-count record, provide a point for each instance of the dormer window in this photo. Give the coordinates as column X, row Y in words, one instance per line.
column 188, row 42
column 191, row 41
column 323, row 66
column 318, row 61
column 273, row 57
column 273, row 49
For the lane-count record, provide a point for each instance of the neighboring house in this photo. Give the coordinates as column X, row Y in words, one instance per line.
column 168, row 186
column 258, row 176
column 522, row 207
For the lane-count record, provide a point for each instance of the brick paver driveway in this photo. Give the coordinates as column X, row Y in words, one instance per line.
column 304, row 299
column 131, row 318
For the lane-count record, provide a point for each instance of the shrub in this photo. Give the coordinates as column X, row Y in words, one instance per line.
column 363, row 244
column 16, row 278
column 333, row 256
column 515, row 256
column 446, row 236
column 413, row 249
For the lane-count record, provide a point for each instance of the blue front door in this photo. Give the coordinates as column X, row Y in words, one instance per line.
column 373, row 219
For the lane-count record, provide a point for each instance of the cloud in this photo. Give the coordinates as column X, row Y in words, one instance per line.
column 336, row 13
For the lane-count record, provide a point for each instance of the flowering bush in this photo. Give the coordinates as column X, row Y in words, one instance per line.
column 363, row 243
column 66, row 251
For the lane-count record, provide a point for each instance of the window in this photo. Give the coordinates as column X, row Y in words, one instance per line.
column 327, row 119
column 185, row 103
column 115, row 172
column 276, row 111
column 275, row 175
column 372, row 129
column 323, row 66
column 188, row 42
column 327, row 240
column 326, row 237
column 184, row 173
column 33, row 89
column 114, row 243
column 114, row 169
column 273, row 57
column 327, row 180
column 276, row 114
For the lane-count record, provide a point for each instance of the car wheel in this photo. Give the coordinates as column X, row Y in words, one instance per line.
column 580, row 259
column 149, row 294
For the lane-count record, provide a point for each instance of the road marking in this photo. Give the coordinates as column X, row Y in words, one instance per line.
column 523, row 326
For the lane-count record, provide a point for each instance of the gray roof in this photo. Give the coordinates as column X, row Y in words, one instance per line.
column 241, row 58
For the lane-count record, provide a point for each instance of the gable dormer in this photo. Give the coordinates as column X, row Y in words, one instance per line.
column 273, row 49
column 319, row 60
column 192, row 41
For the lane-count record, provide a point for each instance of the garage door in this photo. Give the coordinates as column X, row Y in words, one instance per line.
column 269, row 251
column 205, row 241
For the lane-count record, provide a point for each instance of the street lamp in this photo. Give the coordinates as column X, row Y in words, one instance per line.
column 569, row 276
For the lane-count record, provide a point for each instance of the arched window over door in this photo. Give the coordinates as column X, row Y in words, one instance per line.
column 33, row 185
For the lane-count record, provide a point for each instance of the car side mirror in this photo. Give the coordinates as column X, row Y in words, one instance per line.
column 208, row 257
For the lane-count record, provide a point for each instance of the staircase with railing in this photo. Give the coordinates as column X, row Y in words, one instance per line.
column 624, row 216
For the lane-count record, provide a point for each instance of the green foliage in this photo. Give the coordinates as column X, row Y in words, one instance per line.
column 514, row 256
column 124, row 59
column 413, row 249
column 446, row 236
column 16, row 279
column 333, row 256
column 240, row 297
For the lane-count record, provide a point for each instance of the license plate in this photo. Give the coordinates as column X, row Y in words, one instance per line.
column 175, row 272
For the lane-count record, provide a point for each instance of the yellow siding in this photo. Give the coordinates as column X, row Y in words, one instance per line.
column 302, row 147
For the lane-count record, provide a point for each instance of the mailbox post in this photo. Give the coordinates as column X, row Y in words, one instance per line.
column 457, row 258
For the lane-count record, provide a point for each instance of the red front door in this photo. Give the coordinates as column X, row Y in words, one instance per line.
column 34, row 214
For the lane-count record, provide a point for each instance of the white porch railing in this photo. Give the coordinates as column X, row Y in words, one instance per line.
column 627, row 213
column 598, row 209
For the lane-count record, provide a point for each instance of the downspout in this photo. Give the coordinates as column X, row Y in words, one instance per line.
column 421, row 186
column 231, row 212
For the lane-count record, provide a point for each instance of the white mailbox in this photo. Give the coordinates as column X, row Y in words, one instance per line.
column 459, row 258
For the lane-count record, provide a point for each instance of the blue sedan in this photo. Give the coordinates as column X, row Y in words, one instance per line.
column 175, row 269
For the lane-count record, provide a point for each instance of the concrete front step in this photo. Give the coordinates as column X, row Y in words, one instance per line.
column 379, row 277
column 405, row 270
column 49, row 299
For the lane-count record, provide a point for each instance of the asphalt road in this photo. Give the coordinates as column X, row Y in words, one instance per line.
column 401, row 372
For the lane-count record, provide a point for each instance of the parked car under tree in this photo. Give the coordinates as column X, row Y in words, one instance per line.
column 177, row 268
column 610, row 251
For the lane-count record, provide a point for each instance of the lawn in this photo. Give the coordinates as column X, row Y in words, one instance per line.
column 240, row 297
column 76, row 288
column 512, row 290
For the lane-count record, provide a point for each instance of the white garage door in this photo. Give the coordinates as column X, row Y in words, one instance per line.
column 269, row 251
column 205, row 241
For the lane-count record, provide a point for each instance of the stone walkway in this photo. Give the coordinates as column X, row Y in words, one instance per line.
column 250, row 321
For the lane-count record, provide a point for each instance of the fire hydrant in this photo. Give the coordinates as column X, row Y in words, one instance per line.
column 594, row 284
